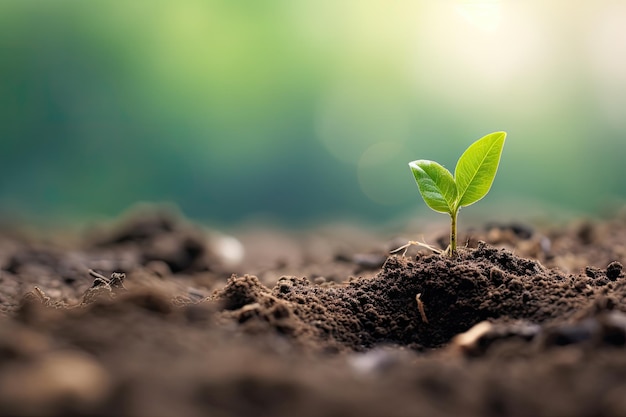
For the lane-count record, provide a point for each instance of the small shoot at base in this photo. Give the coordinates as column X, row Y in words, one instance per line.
column 473, row 176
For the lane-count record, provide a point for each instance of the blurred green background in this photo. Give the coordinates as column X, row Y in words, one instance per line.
column 302, row 111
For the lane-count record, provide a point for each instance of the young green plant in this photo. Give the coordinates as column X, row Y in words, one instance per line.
column 473, row 176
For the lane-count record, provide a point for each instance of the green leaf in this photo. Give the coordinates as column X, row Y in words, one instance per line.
column 477, row 168
column 436, row 185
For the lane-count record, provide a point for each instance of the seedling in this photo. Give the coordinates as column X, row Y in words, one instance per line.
column 473, row 176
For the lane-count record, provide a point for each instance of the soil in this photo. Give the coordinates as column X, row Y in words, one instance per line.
column 156, row 316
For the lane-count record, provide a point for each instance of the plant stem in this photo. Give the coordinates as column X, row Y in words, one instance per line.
column 453, row 233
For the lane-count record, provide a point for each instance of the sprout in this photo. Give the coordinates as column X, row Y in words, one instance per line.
column 473, row 176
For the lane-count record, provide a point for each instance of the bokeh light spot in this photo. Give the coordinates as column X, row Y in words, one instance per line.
column 380, row 168
column 353, row 119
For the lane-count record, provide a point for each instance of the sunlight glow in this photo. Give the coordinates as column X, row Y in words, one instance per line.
column 484, row 14
column 479, row 45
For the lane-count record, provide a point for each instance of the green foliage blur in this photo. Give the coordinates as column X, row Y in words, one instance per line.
column 302, row 111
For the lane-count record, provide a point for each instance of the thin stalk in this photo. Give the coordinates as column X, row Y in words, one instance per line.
column 453, row 216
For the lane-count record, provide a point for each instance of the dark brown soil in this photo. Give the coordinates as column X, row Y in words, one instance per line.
column 154, row 316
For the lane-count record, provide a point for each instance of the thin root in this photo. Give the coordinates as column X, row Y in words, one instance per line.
column 420, row 307
column 417, row 243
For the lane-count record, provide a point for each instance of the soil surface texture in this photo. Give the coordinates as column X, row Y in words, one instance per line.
column 153, row 315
